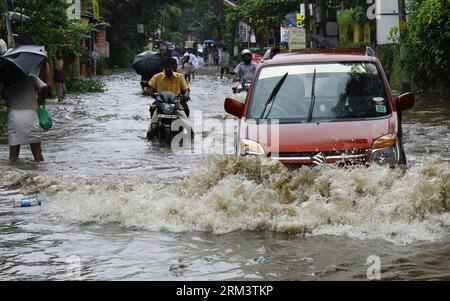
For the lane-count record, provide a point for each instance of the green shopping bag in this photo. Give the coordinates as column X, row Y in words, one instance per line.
column 45, row 119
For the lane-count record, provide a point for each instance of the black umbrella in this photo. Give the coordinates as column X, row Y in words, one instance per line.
column 19, row 17
column 148, row 63
column 24, row 39
column 20, row 62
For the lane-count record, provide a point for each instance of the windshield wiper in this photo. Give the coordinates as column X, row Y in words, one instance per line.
column 313, row 98
column 273, row 95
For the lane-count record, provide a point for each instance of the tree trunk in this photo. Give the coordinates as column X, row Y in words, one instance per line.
column 307, row 24
column 323, row 18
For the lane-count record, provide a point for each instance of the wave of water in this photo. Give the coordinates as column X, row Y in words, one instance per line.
column 227, row 194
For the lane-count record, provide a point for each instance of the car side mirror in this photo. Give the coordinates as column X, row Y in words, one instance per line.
column 234, row 107
column 405, row 101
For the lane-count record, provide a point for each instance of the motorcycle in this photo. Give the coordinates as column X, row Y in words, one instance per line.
column 166, row 106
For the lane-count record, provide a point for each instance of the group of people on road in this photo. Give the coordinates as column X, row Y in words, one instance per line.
column 212, row 54
column 24, row 97
column 170, row 80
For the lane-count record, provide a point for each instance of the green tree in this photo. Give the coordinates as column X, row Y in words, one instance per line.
column 264, row 15
column 124, row 15
column 49, row 24
column 209, row 13
column 428, row 36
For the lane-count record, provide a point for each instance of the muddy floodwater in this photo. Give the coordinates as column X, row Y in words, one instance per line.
column 116, row 207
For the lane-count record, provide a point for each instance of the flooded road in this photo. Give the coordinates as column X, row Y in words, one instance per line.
column 117, row 207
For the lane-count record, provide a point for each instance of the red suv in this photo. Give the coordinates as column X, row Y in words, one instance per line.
column 322, row 106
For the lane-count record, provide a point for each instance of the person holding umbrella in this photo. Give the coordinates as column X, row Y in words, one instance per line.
column 149, row 63
column 24, row 65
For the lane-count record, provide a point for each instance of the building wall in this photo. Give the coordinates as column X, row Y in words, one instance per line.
column 74, row 11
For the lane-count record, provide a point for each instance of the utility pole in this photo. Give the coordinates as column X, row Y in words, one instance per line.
column 406, row 85
column 322, row 7
column 307, row 24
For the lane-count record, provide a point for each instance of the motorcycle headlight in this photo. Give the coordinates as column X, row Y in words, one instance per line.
column 168, row 108
column 385, row 151
column 250, row 147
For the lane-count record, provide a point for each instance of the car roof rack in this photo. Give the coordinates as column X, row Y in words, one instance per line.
column 369, row 51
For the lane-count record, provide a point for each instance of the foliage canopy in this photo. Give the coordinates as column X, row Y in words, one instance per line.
column 428, row 36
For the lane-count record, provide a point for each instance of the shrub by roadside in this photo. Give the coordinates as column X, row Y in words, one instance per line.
column 89, row 85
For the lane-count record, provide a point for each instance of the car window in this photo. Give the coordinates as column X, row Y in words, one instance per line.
column 342, row 91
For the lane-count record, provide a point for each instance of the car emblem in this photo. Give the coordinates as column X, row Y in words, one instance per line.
column 318, row 159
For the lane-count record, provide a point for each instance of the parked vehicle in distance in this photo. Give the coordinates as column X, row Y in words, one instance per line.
column 322, row 106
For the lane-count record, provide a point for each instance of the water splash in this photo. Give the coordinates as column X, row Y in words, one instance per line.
column 228, row 194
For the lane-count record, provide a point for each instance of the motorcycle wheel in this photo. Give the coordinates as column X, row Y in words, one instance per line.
column 166, row 135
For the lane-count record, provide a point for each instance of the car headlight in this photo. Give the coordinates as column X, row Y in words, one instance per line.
column 250, row 147
column 167, row 108
column 385, row 150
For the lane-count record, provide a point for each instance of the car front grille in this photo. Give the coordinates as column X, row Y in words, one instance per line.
column 357, row 156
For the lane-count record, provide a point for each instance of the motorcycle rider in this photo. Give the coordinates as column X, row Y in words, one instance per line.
column 164, row 54
column 244, row 71
column 172, row 81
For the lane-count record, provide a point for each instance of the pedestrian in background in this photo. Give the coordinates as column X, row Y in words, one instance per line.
column 225, row 60
column 205, row 55
column 190, row 64
column 60, row 77
column 215, row 55
column 210, row 55
column 186, row 68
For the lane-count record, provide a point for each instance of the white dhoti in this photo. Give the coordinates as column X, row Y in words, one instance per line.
column 23, row 127
column 61, row 90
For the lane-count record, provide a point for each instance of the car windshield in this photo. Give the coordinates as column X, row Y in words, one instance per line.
column 341, row 91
